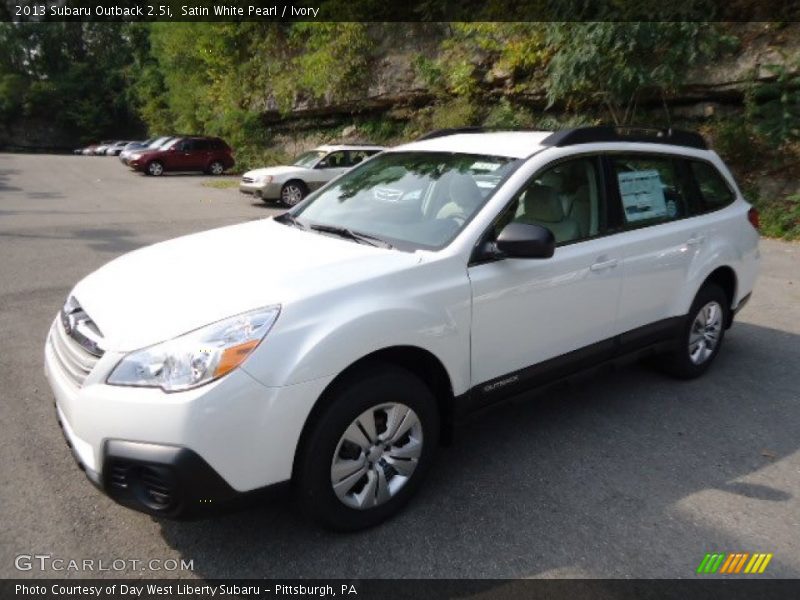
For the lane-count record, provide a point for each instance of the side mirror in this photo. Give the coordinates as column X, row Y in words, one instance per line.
column 525, row 240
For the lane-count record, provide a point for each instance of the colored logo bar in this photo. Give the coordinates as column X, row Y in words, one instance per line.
column 733, row 563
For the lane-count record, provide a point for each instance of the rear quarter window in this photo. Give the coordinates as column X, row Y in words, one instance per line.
column 715, row 193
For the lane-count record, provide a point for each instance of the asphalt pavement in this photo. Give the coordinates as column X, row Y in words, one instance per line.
column 627, row 474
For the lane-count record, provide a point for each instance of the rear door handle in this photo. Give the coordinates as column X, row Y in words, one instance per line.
column 696, row 240
column 603, row 265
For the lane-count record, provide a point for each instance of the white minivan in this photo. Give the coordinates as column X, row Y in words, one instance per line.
column 432, row 280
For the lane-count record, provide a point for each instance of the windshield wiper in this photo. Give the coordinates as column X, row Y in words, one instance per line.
column 362, row 238
column 289, row 219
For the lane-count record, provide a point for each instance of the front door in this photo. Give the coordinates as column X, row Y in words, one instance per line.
column 528, row 311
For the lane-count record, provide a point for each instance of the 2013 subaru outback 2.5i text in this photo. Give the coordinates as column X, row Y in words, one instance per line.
column 429, row 281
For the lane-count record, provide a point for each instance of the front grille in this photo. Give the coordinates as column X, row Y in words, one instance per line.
column 247, row 180
column 76, row 352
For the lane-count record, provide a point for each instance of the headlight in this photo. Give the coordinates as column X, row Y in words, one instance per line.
column 266, row 179
column 198, row 357
column 136, row 156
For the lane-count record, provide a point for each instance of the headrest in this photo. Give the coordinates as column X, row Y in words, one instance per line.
column 542, row 204
column 554, row 179
column 464, row 191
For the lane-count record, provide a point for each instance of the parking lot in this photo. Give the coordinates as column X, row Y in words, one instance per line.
column 628, row 474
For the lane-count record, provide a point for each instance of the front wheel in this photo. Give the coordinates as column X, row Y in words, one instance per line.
column 155, row 168
column 369, row 449
column 292, row 193
column 701, row 335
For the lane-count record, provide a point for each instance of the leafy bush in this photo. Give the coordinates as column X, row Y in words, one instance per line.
column 774, row 106
column 781, row 218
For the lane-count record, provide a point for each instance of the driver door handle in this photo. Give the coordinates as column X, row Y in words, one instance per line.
column 603, row 265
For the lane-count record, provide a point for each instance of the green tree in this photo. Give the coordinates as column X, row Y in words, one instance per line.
column 618, row 63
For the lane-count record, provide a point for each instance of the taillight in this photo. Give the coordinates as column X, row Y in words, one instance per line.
column 752, row 216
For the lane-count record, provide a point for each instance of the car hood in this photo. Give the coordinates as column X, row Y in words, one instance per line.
column 167, row 289
column 276, row 171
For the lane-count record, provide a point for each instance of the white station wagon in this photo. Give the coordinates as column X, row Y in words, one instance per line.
column 437, row 278
column 310, row 171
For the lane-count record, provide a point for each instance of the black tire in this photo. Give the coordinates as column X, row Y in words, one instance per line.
column 375, row 386
column 292, row 192
column 215, row 168
column 155, row 168
column 679, row 362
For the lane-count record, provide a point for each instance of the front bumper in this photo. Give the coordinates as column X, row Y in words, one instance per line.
column 265, row 191
column 205, row 446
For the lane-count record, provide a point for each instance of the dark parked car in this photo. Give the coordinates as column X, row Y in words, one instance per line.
column 192, row 153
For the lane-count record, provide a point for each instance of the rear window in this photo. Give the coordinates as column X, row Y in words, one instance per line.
column 714, row 190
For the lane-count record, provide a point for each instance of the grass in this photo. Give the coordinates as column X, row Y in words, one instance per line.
column 222, row 184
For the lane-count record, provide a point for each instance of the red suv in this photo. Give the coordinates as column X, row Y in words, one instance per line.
column 194, row 153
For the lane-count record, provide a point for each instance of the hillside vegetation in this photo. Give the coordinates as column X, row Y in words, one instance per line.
column 270, row 89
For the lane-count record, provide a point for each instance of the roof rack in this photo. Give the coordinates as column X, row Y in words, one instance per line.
column 450, row 131
column 610, row 133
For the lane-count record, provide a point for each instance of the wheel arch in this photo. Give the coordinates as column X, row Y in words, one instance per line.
column 302, row 183
column 725, row 278
column 419, row 361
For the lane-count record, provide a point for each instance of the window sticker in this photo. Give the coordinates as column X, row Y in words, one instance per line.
column 642, row 195
column 485, row 166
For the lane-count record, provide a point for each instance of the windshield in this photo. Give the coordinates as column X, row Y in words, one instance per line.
column 307, row 159
column 170, row 143
column 409, row 199
column 158, row 142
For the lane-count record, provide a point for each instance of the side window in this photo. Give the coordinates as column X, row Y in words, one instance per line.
column 201, row 145
column 714, row 191
column 185, row 146
column 336, row 160
column 649, row 188
column 356, row 156
column 566, row 198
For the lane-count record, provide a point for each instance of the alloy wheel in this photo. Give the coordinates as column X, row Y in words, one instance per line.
column 291, row 194
column 705, row 332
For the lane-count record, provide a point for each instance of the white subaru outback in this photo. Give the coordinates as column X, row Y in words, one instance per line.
column 432, row 280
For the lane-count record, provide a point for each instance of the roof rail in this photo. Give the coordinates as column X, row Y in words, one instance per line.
column 610, row 133
column 450, row 131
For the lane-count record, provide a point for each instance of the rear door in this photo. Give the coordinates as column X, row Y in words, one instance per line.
column 199, row 154
column 660, row 238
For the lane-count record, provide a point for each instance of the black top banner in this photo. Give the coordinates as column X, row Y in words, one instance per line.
column 405, row 11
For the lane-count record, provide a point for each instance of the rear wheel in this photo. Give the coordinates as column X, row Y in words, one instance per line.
column 216, row 168
column 293, row 192
column 369, row 450
column 155, row 168
column 701, row 335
